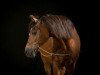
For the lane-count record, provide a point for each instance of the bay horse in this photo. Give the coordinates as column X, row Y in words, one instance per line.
column 57, row 41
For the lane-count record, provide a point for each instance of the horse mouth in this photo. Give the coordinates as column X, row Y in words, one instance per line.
column 31, row 51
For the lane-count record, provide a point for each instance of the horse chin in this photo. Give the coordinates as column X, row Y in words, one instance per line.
column 31, row 52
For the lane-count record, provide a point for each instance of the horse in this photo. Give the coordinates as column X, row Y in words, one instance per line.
column 56, row 39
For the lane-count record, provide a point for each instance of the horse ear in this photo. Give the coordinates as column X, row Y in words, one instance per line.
column 33, row 18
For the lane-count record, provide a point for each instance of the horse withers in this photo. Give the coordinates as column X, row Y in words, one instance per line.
column 56, row 39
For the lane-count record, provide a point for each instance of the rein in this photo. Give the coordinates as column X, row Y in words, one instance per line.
column 50, row 54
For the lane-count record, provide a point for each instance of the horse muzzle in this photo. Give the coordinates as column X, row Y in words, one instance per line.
column 31, row 52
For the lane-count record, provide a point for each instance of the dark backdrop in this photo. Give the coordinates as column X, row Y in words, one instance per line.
column 14, row 33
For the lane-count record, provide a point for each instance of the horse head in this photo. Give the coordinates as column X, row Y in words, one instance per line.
column 38, row 34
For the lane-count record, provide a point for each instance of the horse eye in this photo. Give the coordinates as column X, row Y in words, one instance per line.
column 34, row 33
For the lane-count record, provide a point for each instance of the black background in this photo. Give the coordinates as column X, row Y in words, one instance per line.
column 14, row 33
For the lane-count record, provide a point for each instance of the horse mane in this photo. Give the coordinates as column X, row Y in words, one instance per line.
column 60, row 26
